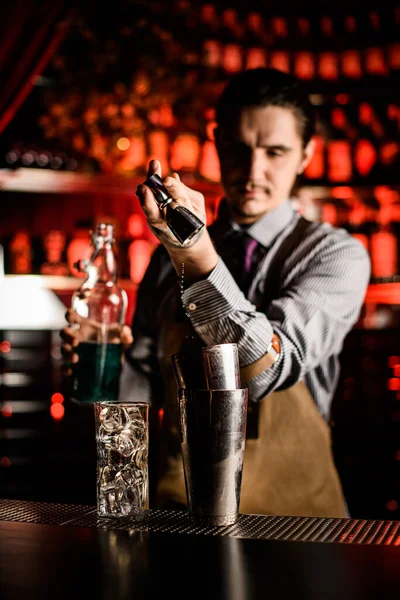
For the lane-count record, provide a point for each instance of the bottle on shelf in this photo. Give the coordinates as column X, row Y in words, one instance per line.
column 256, row 41
column 365, row 150
column 375, row 65
column 140, row 248
column 349, row 33
column 339, row 168
column 279, row 28
column 255, row 29
column 279, row 56
column 393, row 54
column 351, row 65
column 101, row 305
column 21, row 254
column 209, row 20
column 384, row 247
column 304, row 54
column 54, row 246
column 328, row 56
column 232, row 36
column 209, row 164
column 212, row 48
column 357, row 218
column 315, row 171
column 375, row 60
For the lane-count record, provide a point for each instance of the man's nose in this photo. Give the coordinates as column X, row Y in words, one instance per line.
column 258, row 163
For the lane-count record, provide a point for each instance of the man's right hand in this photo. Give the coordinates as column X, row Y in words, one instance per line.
column 88, row 330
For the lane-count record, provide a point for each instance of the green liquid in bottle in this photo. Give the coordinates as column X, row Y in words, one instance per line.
column 96, row 376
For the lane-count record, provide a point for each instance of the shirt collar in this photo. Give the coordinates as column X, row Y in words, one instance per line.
column 265, row 230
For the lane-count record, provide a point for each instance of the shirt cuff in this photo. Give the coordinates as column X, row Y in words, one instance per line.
column 214, row 298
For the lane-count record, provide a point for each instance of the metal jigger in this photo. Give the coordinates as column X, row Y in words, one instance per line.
column 213, row 433
column 221, row 367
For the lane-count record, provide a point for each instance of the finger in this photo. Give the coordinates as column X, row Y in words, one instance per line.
column 126, row 336
column 72, row 316
column 66, row 370
column 70, row 336
column 197, row 199
column 154, row 168
column 192, row 199
column 177, row 189
column 68, row 353
column 149, row 205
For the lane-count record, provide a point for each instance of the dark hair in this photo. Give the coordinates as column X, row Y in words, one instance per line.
column 267, row 87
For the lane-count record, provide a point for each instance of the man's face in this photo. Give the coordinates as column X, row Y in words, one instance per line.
column 261, row 153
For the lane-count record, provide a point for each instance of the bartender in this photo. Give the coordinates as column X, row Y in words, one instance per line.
column 285, row 290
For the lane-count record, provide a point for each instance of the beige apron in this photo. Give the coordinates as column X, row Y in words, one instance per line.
column 288, row 469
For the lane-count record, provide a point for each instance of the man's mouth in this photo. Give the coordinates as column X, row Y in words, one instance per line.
column 252, row 191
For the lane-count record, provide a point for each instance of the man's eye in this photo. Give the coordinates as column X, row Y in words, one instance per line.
column 275, row 153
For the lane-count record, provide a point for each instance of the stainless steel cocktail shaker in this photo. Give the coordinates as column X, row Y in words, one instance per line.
column 213, row 434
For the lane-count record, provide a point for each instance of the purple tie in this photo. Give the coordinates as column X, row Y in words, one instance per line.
column 249, row 246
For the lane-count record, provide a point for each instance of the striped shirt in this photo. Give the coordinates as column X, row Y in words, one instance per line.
column 322, row 288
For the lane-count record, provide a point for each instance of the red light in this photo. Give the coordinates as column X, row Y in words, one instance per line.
column 233, row 58
column 329, row 213
column 342, row 192
column 57, row 411
column 392, row 505
column 139, row 253
column 339, row 160
column 57, row 398
column 316, row 168
column 375, row 61
column 5, row 346
column 6, row 410
column 365, row 156
column 280, row 60
column 365, row 113
column 338, row 117
column 351, row 64
column 385, row 195
column 342, row 98
column 394, row 384
column 185, row 152
column 5, row 462
column 388, row 153
column 393, row 361
column 383, row 254
column 209, row 164
column 136, row 226
column 255, row 57
column 160, row 416
column 396, row 370
column 328, row 65
column 304, row 66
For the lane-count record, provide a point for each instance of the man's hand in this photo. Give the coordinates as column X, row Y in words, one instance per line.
column 87, row 330
column 199, row 256
column 183, row 195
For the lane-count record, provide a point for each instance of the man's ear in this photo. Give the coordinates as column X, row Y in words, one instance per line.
column 308, row 153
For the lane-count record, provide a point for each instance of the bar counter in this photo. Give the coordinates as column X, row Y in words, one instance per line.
column 62, row 551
